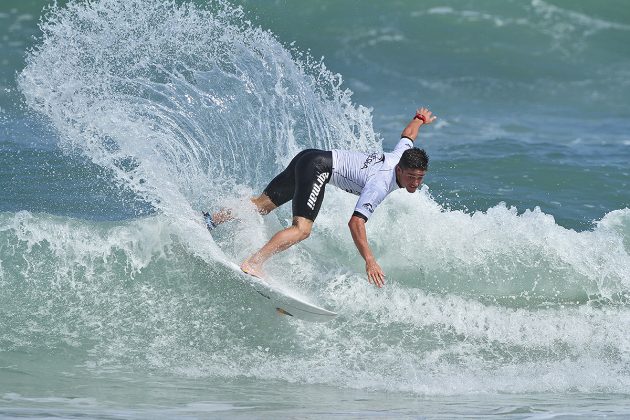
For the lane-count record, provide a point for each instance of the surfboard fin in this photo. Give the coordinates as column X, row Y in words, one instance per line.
column 283, row 312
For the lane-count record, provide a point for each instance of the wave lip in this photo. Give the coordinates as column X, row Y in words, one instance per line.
column 180, row 101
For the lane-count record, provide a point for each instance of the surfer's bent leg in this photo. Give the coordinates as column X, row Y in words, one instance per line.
column 280, row 190
column 311, row 178
column 311, row 170
column 307, row 166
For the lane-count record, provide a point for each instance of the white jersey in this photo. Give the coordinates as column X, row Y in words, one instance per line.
column 371, row 176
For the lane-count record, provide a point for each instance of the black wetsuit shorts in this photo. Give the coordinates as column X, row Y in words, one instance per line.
column 304, row 182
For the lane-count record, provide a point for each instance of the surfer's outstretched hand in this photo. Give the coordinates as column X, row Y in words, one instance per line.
column 428, row 115
column 375, row 273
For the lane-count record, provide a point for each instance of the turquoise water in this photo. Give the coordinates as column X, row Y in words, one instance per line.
column 508, row 274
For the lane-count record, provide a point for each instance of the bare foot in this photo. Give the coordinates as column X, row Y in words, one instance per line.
column 222, row 216
column 215, row 219
column 252, row 269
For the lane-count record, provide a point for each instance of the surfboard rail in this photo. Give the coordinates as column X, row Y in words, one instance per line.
column 283, row 301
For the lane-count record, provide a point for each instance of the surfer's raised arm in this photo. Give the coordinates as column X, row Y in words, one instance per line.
column 423, row 116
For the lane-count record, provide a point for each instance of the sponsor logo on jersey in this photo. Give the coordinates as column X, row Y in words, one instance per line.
column 373, row 157
column 316, row 189
column 369, row 207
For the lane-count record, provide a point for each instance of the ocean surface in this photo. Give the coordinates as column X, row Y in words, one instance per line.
column 508, row 274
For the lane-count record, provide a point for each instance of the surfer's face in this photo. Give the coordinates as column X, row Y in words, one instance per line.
column 410, row 179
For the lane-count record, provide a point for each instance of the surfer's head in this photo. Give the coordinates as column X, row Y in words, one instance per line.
column 414, row 159
column 411, row 169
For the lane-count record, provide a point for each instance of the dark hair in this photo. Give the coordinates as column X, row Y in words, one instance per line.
column 414, row 159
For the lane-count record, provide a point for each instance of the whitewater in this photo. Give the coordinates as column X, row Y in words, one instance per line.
column 492, row 304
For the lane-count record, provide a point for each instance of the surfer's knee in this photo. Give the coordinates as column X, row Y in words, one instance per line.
column 303, row 228
column 304, row 234
column 263, row 204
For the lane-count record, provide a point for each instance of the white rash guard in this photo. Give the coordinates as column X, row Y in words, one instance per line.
column 371, row 176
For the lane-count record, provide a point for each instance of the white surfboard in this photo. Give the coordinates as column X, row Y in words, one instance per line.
column 284, row 301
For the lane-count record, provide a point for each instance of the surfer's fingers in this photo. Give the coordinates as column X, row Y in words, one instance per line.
column 378, row 279
column 373, row 278
column 427, row 114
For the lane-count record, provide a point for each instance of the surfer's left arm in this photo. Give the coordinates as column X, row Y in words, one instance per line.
column 359, row 236
column 423, row 116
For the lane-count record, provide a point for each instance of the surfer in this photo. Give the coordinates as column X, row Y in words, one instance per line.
column 371, row 176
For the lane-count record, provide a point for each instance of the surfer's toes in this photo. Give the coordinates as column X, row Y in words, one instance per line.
column 210, row 224
column 249, row 269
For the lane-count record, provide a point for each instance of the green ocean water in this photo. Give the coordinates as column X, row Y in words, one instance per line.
column 508, row 274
